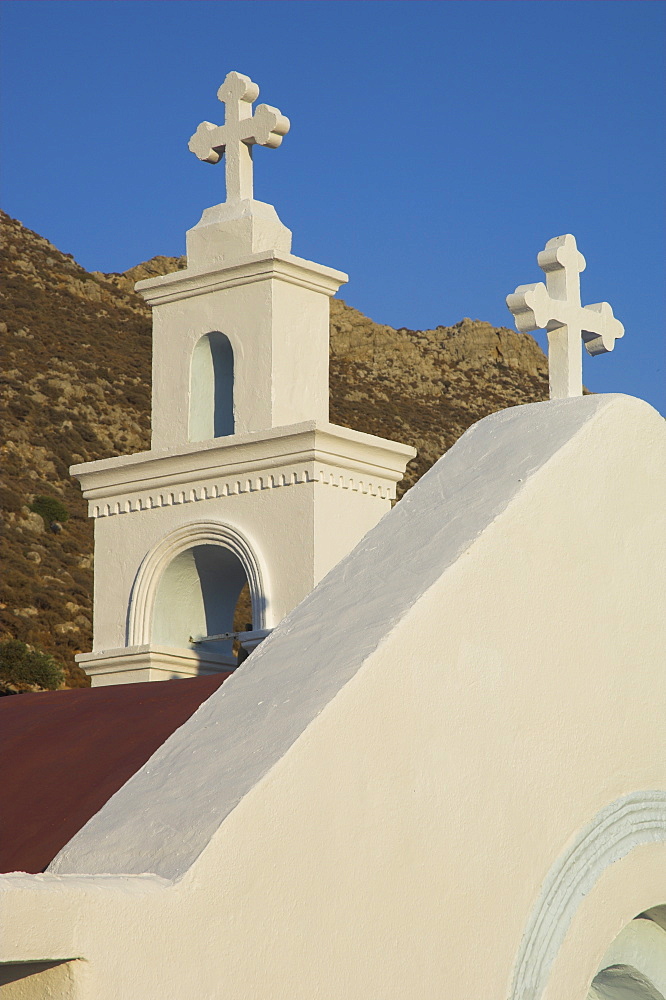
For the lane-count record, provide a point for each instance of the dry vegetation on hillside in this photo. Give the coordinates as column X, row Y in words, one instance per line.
column 77, row 387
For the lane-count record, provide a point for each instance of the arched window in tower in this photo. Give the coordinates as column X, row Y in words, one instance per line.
column 212, row 388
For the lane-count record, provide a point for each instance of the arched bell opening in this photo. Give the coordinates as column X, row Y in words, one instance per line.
column 202, row 579
column 211, row 388
column 197, row 596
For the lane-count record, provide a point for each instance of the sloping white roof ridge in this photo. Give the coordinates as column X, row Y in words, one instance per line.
column 165, row 815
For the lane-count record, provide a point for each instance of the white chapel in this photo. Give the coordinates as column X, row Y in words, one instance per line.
column 441, row 771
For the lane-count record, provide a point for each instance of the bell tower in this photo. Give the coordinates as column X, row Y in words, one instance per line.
column 246, row 480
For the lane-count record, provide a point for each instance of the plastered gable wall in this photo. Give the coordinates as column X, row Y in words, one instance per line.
column 408, row 831
column 410, row 825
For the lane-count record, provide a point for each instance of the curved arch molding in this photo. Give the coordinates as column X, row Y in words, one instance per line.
column 142, row 599
column 629, row 822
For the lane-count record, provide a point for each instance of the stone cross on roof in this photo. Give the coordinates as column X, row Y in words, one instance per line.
column 241, row 130
column 556, row 307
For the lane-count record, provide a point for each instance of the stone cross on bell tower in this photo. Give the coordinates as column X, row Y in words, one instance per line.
column 241, row 131
column 556, row 307
column 240, row 225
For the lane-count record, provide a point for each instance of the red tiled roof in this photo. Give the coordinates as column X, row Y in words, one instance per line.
column 63, row 754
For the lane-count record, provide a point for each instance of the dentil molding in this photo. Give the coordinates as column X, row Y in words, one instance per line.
column 310, row 452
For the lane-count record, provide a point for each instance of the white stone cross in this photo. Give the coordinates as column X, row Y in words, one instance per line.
column 241, row 130
column 556, row 307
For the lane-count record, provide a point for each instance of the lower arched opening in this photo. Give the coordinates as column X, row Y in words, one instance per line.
column 634, row 967
column 204, row 591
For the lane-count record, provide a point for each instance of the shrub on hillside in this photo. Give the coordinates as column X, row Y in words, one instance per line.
column 23, row 667
column 50, row 509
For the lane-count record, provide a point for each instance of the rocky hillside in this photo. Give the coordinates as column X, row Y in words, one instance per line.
column 77, row 387
column 425, row 387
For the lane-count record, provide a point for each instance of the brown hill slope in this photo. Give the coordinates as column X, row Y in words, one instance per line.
column 77, row 387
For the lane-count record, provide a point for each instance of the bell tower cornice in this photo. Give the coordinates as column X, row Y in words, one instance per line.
column 272, row 266
column 287, row 456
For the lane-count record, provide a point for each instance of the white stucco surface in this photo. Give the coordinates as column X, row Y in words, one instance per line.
column 38, row 981
column 423, row 763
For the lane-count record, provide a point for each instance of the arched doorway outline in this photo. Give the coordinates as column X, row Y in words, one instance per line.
column 144, row 590
column 629, row 822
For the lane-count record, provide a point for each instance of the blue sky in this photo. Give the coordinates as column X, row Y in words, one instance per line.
column 435, row 146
